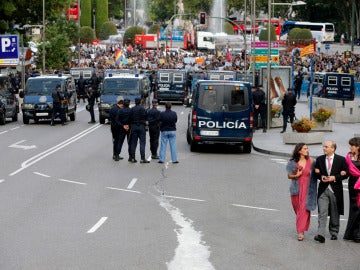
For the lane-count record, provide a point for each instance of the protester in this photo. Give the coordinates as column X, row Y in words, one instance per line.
column 330, row 169
column 352, row 231
column 302, row 188
column 288, row 104
column 168, row 119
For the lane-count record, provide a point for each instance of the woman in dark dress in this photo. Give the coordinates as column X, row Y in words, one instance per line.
column 353, row 160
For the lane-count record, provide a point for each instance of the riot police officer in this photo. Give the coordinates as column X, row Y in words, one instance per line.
column 153, row 115
column 57, row 97
column 137, row 131
column 116, row 125
column 91, row 95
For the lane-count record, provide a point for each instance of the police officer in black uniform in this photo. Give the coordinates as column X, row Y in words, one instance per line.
column 288, row 103
column 91, row 95
column 123, row 118
column 137, row 121
column 116, row 126
column 153, row 115
column 57, row 97
column 81, row 88
column 259, row 100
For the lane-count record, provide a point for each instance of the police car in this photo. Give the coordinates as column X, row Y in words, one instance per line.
column 221, row 113
column 38, row 102
column 122, row 86
column 9, row 105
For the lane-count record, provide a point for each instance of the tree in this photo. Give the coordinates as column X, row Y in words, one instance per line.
column 107, row 29
column 86, row 13
column 264, row 33
column 87, row 34
column 101, row 14
column 129, row 35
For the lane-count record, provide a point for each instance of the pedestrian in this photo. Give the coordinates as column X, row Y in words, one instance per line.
column 115, row 126
column 352, row 231
column 297, row 84
column 168, row 119
column 302, row 188
column 288, row 104
column 259, row 100
column 330, row 169
column 95, row 85
column 153, row 115
column 137, row 121
column 57, row 97
column 91, row 104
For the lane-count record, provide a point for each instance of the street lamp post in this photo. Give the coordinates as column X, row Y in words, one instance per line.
column 268, row 70
column 43, row 41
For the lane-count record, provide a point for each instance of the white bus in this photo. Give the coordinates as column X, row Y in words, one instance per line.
column 322, row 32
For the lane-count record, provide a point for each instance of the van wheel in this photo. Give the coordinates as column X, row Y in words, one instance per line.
column 72, row 116
column 26, row 120
column 247, row 147
column 102, row 120
column 2, row 119
column 193, row 146
column 188, row 137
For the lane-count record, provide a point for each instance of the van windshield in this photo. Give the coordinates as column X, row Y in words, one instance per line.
column 121, row 87
column 41, row 86
column 224, row 98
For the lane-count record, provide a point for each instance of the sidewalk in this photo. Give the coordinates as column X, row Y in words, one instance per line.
column 272, row 143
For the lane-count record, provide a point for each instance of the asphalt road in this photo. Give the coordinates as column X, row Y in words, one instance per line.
column 65, row 204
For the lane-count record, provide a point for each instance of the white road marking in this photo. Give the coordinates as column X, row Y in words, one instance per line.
column 20, row 146
column 278, row 159
column 14, row 128
column 3, row 132
column 253, row 207
column 184, row 198
column 2, row 180
column 341, row 219
column 72, row 182
column 41, row 174
column 132, row 183
column 191, row 252
column 54, row 149
column 97, row 225
column 121, row 189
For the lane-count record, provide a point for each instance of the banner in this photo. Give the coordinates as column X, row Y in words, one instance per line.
column 307, row 50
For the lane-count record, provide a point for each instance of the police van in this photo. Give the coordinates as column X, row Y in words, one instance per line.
column 122, row 86
column 171, row 85
column 221, row 113
column 37, row 99
column 332, row 85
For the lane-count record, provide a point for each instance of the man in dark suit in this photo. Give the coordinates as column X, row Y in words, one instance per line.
column 330, row 169
column 288, row 103
column 259, row 100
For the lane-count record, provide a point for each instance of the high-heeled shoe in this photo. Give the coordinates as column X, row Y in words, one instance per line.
column 301, row 237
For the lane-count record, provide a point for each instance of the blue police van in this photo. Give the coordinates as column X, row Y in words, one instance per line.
column 122, row 86
column 332, row 85
column 171, row 85
column 38, row 102
column 221, row 113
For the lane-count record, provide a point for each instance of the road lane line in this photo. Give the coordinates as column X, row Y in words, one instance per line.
column 132, row 183
column 253, row 207
column 127, row 190
column 97, row 225
column 54, row 149
column 72, row 182
column 3, row 132
column 184, row 198
column 14, row 128
column 41, row 174
column 2, row 180
column 341, row 219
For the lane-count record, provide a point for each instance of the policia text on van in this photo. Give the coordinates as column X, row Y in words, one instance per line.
column 221, row 113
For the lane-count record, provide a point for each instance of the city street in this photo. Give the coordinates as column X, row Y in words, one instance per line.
column 65, row 204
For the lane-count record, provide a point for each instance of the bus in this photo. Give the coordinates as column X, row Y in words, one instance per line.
column 322, row 32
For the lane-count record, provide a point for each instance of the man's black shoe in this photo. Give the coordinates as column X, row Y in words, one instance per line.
column 155, row 157
column 282, row 131
column 63, row 124
column 175, row 162
column 333, row 237
column 52, row 123
column 121, row 158
column 144, row 161
column 319, row 238
column 160, row 161
column 117, row 158
column 91, row 122
column 132, row 160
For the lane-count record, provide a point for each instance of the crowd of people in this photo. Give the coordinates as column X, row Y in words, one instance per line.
column 319, row 183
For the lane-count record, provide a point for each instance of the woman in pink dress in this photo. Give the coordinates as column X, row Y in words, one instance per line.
column 299, row 170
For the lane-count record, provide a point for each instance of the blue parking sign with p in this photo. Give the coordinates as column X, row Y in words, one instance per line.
column 9, row 49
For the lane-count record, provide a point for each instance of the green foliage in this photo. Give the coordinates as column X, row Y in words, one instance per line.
column 4, row 26
column 107, row 29
column 299, row 33
column 129, row 35
column 101, row 14
column 264, row 33
column 154, row 29
column 116, row 9
column 86, row 13
column 87, row 34
column 228, row 28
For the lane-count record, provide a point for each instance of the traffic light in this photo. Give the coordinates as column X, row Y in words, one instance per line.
column 202, row 18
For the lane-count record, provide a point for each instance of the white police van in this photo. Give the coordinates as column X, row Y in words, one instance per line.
column 221, row 113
